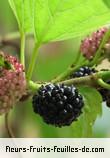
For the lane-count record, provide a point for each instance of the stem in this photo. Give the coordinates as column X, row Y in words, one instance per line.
column 7, row 125
column 34, row 86
column 98, row 53
column 68, row 72
column 22, row 51
column 33, row 61
column 77, row 58
column 91, row 80
column 87, row 80
column 103, row 84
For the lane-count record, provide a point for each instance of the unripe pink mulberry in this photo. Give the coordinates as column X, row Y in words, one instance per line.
column 12, row 84
column 90, row 45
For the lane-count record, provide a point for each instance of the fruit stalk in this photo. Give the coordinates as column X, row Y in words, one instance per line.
column 68, row 72
column 7, row 125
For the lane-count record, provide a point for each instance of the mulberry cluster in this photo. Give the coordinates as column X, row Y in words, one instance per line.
column 12, row 84
column 90, row 44
column 58, row 105
column 83, row 71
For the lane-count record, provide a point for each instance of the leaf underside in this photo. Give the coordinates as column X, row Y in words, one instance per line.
column 23, row 11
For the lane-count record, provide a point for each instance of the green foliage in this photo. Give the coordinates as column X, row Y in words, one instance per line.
column 92, row 109
column 23, row 11
column 107, row 3
column 2, row 63
column 56, row 20
column 60, row 20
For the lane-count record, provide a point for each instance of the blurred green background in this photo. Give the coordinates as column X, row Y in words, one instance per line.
column 53, row 59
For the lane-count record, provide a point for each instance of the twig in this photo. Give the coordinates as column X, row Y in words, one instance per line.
column 91, row 80
column 88, row 80
column 7, row 125
column 68, row 72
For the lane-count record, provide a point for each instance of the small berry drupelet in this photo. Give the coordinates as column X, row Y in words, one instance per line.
column 90, row 44
column 12, row 83
column 83, row 71
column 59, row 105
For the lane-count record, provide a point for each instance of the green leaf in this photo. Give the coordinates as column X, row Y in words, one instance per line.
column 92, row 109
column 56, row 20
column 1, row 61
column 23, row 11
column 107, row 3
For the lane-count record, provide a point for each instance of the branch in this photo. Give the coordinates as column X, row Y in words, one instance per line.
column 7, row 125
column 91, row 80
column 69, row 71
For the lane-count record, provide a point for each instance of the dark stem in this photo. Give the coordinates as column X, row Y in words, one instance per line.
column 13, row 44
column 8, row 127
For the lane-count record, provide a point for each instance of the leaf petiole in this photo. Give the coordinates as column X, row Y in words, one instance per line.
column 22, row 49
column 33, row 61
column 103, row 84
column 34, row 86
